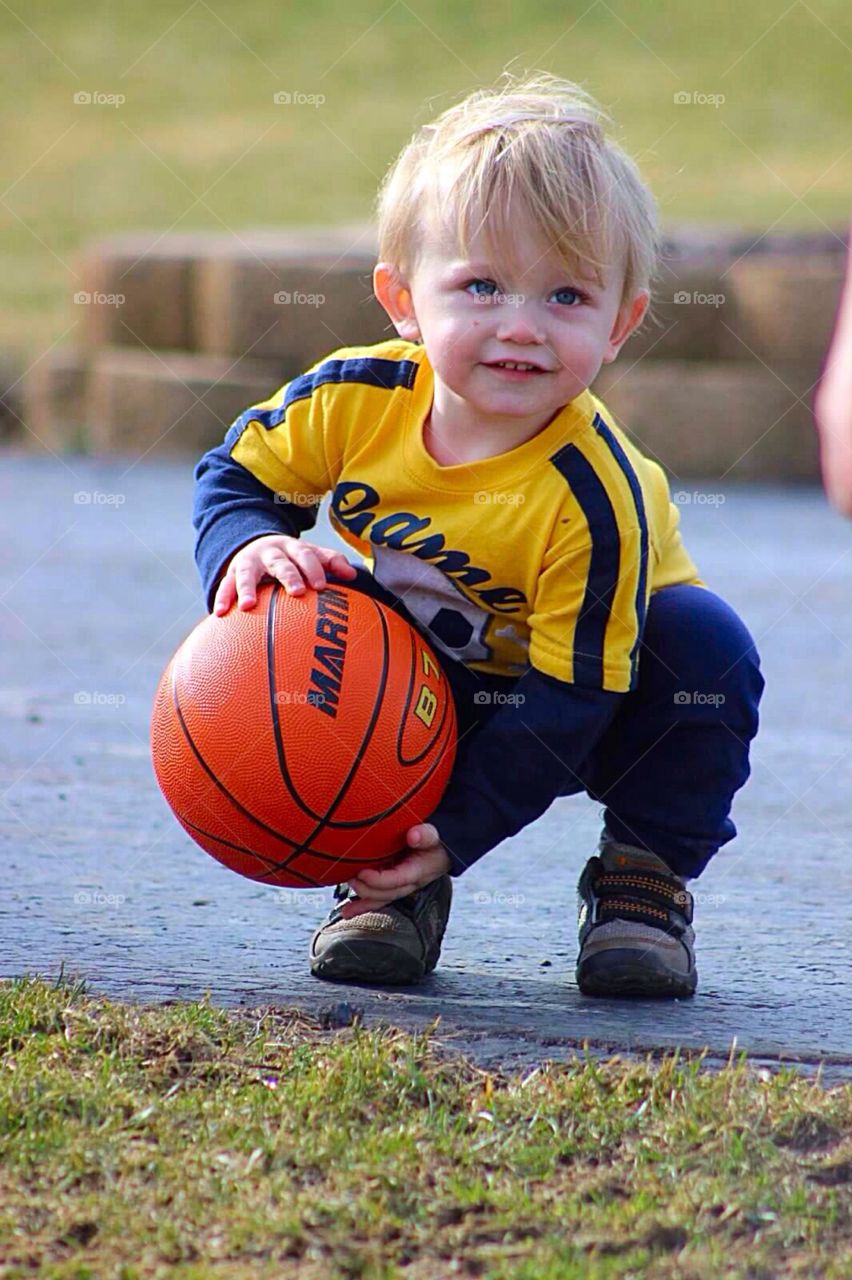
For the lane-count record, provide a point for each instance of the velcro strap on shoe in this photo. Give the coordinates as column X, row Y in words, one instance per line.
column 644, row 894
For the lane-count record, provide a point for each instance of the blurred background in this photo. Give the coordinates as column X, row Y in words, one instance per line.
column 225, row 120
column 198, row 143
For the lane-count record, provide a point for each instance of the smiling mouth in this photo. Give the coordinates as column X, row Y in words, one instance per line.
column 515, row 366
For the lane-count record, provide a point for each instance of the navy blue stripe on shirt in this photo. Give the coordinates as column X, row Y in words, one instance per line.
column 636, row 489
column 602, row 580
column 371, row 371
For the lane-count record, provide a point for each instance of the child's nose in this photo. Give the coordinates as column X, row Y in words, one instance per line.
column 518, row 323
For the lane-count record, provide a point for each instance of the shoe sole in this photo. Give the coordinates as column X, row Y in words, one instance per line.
column 614, row 973
column 367, row 961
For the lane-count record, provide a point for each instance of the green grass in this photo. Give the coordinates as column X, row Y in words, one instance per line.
column 199, row 144
column 186, row 1141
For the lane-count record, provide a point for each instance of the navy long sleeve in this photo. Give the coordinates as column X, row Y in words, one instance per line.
column 230, row 508
column 509, row 772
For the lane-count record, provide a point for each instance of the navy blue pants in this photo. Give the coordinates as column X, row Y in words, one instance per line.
column 669, row 764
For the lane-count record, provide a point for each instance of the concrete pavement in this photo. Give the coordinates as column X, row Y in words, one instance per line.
column 97, row 592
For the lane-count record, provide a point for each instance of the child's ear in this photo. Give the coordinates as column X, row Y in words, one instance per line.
column 395, row 296
column 629, row 317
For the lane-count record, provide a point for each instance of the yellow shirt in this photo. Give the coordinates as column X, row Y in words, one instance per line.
column 544, row 556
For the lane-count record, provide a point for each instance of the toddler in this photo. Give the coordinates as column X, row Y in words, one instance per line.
column 496, row 504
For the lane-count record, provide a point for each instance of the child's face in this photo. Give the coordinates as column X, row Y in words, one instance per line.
column 470, row 315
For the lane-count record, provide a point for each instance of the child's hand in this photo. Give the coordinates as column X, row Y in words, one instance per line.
column 377, row 888
column 277, row 555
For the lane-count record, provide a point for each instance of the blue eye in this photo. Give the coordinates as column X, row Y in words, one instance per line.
column 575, row 293
column 489, row 284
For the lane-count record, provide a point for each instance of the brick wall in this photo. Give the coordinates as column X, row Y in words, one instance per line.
column 179, row 333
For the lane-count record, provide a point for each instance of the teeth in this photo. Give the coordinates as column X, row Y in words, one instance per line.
column 508, row 364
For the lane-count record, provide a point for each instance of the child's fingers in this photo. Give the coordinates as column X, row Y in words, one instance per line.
column 381, row 885
column 423, row 836
column 408, row 867
column 315, row 561
column 389, row 877
column 338, row 563
column 417, row 868
column 288, row 574
column 225, row 595
column 388, row 889
column 385, row 891
column 293, row 568
column 309, row 562
column 245, row 577
column 290, row 562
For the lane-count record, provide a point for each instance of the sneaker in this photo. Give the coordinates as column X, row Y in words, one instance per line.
column 396, row 943
column 635, row 919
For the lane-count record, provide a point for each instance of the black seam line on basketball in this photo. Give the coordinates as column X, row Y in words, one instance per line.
column 225, row 792
column 277, row 591
column 327, row 822
column 238, row 848
column 436, row 737
column 364, row 823
column 324, row 820
column 356, row 824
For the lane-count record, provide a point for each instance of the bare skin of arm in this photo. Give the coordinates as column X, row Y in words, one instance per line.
column 833, row 404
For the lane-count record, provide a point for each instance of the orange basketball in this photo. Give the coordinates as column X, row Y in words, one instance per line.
column 299, row 740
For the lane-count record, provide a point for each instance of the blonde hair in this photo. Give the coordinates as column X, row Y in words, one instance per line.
column 537, row 148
